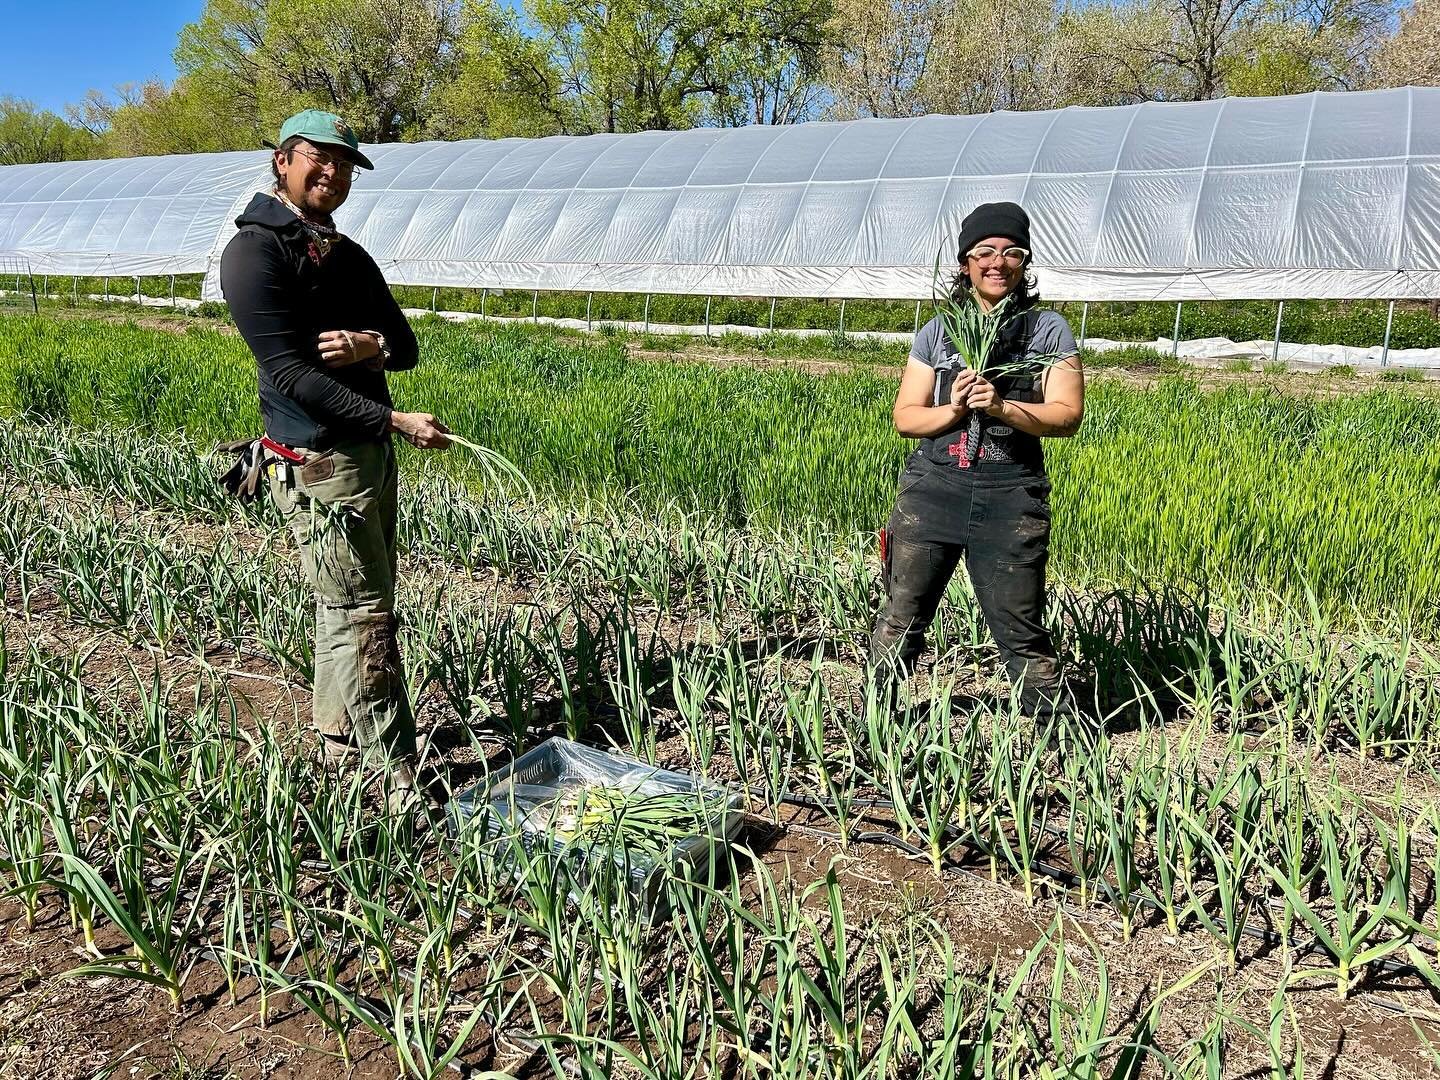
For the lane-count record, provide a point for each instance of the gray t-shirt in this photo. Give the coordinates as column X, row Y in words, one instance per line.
column 1050, row 335
column 1044, row 335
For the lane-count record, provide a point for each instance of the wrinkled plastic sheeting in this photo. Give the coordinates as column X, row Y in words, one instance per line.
column 1320, row 195
column 517, row 804
column 533, row 783
column 145, row 216
column 1289, row 352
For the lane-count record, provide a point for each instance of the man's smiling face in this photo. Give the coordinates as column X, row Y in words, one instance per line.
column 315, row 178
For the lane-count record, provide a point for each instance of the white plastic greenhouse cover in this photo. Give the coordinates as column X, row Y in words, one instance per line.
column 1321, row 195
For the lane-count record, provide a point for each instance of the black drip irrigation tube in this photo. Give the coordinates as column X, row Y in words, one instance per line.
column 1068, row 878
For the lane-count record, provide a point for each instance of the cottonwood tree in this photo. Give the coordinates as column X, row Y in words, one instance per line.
column 188, row 117
column 506, row 83
column 908, row 57
column 1194, row 50
column 1166, row 50
column 1412, row 56
column 637, row 65
column 581, row 66
column 881, row 55
column 769, row 58
column 29, row 134
column 377, row 62
column 412, row 69
column 627, row 65
column 1005, row 54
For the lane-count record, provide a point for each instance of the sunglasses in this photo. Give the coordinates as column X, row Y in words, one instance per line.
column 1013, row 256
column 344, row 170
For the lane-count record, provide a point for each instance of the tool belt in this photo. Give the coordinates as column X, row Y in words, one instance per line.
column 252, row 458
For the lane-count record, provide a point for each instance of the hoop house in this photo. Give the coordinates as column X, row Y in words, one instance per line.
column 1327, row 195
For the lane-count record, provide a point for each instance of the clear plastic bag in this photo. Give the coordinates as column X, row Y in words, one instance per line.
column 537, row 801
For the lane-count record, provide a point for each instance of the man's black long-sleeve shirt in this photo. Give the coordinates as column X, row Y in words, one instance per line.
column 282, row 299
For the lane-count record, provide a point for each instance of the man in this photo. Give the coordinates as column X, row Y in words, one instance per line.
column 317, row 314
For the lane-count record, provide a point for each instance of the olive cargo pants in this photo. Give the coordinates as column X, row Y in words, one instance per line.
column 340, row 505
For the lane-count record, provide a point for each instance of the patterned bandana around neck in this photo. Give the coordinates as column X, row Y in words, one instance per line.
column 322, row 237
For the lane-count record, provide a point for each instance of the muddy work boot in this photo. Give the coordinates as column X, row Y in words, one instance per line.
column 1058, row 707
column 337, row 754
column 403, row 793
column 406, row 795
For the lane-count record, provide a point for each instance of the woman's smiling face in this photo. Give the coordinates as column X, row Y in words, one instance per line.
column 995, row 277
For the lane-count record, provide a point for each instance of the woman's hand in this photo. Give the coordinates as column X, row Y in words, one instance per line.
column 341, row 348
column 983, row 397
column 917, row 415
column 960, row 390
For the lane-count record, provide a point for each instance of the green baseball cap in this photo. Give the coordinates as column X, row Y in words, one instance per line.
column 322, row 128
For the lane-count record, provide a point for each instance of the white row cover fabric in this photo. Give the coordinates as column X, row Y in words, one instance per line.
column 1321, row 195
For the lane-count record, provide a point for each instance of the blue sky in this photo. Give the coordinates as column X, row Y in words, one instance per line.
column 52, row 51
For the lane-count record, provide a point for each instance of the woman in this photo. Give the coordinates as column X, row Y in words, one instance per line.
column 976, row 487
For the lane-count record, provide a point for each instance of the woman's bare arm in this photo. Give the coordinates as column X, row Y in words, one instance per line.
column 915, row 417
column 1058, row 416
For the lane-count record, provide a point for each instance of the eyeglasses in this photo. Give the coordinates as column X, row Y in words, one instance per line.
column 1014, row 256
column 344, row 170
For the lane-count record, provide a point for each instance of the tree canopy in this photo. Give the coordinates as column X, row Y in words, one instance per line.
column 1412, row 56
column 29, row 134
column 418, row 69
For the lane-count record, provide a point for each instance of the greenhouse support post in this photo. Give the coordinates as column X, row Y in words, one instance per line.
column 75, row 289
column 917, row 315
column 1175, row 340
column 434, row 300
column 484, row 295
column 842, row 316
column 1084, row 317
column 107, row 288
column 535, row 307
column 772, row 313
column 45, row 286
column 172, row 290
column 589, row 300
column 647, row 313
column 137, row 288
column 1389, row 321
column 1279, row 318
column 707, row 317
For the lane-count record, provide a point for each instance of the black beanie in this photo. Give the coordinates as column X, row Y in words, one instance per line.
column 994, row 219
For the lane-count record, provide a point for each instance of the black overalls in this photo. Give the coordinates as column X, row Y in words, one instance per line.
column 977, row 492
